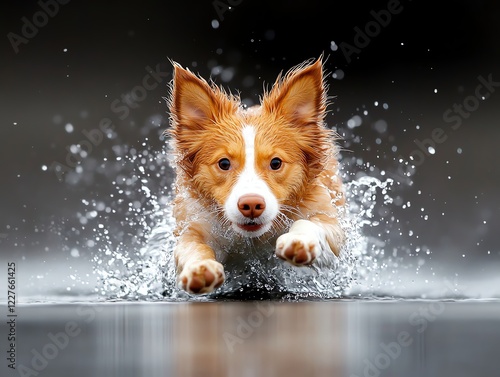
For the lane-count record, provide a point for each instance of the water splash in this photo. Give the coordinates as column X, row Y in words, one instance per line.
column 134, row 239
column 131, row 225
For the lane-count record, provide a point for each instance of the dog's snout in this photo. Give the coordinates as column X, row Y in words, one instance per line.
column 251, row 205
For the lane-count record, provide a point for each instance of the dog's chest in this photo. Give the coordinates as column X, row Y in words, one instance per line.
column 233, row 249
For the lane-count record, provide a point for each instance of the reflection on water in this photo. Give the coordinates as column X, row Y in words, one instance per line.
column 259, row 338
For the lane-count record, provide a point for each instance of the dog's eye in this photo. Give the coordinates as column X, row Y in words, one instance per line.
column 224, row 164
column 275, row 163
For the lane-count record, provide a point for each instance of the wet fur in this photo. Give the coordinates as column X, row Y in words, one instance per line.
column 207, row 126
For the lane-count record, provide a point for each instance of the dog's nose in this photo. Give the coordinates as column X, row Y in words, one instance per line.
column 251, row 205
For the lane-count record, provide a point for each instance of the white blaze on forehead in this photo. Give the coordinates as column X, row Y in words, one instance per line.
column 249, row 182
column 248, row 133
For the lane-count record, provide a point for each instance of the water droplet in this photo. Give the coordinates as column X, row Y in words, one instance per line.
column 355, row 121
column 227, row 74
column 380, row 126
column 338, row 74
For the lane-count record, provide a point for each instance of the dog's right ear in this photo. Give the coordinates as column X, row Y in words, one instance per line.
column 191, row 99
column 194, row 103
column 195, row 107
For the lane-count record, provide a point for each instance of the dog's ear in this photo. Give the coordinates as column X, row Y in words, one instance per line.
column 195, row 108
column 193, row 101
column 300, row 97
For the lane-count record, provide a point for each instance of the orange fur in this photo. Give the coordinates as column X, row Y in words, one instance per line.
column 207, row 127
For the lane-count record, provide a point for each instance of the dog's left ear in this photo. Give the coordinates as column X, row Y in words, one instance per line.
column 300, row 96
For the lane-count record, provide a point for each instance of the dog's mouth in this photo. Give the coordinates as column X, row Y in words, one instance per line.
column 250, row 226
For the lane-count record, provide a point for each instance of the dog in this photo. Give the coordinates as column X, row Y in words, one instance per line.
column 260, row 173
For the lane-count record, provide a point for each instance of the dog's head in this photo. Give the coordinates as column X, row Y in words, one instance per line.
column 252, row 164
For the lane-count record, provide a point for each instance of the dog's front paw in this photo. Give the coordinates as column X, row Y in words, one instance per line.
column 201, row 276
column 297, row 248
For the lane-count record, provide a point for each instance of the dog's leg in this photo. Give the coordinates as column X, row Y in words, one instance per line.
column 197, row 270
column 308, row 238
column 320, row 231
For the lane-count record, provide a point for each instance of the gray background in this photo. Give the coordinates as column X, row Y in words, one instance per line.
column 109, row 45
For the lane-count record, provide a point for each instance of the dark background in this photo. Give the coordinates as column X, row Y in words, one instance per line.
column 427, row 46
